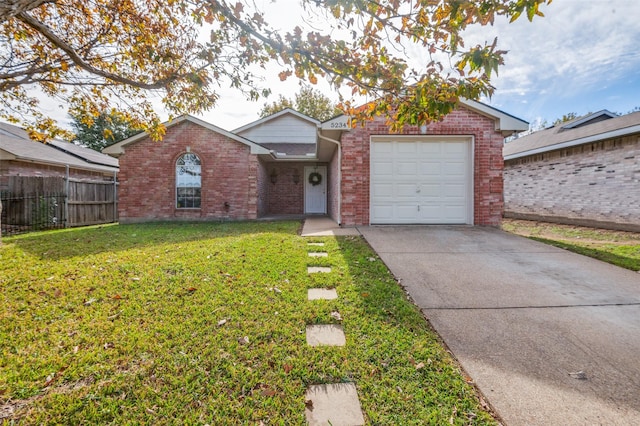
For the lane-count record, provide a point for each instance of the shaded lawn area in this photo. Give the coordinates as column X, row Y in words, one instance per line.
column 146, row 324
column 616, row 247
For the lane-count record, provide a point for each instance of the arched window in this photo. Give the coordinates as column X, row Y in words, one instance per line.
column 188, row 181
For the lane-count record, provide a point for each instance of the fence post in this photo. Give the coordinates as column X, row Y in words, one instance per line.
column 66, row 197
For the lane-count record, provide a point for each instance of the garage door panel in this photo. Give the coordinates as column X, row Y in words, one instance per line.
column 429, row 149
column 406, row 212
column 430, row 190
column 431, row 168
column 382, row 191
column 455, row 191
column 406, row 148
column 421, row 181
column 406, row 190
column 382, row 168
column 455, row 168
column 407, row 168
column 382, row 148
column 431, row 213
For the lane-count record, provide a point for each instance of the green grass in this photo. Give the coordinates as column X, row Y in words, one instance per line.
column 615, row 247
column 142, row 324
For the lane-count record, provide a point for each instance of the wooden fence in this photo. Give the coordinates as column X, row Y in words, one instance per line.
column 36, row 203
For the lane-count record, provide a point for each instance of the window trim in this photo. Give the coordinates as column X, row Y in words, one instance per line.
column 197, row 163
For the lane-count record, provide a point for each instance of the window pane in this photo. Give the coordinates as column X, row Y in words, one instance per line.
column 188, row 181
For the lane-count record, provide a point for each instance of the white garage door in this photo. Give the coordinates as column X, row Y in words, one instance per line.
column 421, row 180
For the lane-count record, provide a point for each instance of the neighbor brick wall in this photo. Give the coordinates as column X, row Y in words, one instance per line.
column 147, row 177
column 597, row 182
column 488, row 165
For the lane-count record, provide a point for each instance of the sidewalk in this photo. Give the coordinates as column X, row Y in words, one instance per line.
column 323, row 226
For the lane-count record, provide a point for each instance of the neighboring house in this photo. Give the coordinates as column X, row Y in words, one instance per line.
column 582, row 172
column 53, row 184
column 290, row 164
column 21, row 156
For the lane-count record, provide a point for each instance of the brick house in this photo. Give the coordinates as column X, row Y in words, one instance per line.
column 583, row 172
column 291, row 164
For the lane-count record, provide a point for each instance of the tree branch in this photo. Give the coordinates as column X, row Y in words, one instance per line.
column 12, row 8
column 80, row 62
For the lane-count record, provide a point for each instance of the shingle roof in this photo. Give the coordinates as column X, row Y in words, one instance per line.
column 16, row 142
column 88, row 155
column 559, row 137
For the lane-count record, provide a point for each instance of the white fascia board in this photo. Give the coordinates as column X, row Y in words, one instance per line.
column 341, row 122
column 274, row 116
column 504, row 122
column 587, row 139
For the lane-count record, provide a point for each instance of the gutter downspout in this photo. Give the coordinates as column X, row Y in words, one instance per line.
column 321, row 136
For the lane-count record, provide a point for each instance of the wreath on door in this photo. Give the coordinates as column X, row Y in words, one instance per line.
column 315, row 178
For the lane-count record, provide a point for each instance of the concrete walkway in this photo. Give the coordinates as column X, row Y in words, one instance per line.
column 322, row 226
column 550, row 337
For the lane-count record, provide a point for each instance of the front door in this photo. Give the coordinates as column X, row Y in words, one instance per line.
column 315, row 190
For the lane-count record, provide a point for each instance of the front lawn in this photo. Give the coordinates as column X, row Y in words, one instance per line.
column 205, row 323
column 615, row 247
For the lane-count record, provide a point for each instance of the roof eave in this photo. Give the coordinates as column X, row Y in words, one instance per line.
column 274, row 116
column 117, row 149
column 505, row 123
column 580, row 141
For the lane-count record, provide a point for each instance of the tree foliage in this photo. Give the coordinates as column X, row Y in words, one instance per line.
column 92, row 53
column 565, row 118
column 308, row 101
column 101, row 131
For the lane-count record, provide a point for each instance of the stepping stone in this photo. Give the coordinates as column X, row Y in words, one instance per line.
column 334, row 404
column 325, row 335
column 318, row 254
column 316, row 269
column 322, row 294
column 316, row 244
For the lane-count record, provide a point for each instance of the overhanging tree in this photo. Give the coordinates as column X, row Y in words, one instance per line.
column 308, row 101
column 88, row 53
column 101, row 131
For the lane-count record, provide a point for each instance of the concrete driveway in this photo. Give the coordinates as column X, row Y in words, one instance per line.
column 549, row 337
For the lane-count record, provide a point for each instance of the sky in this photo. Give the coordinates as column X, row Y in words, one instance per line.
column 583, row 56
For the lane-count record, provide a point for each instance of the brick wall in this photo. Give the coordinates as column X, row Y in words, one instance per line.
column 263, row 188
column 597, row 184
column 488, row 165
column 333, row 187
column 285, row 196
column 147, row 177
